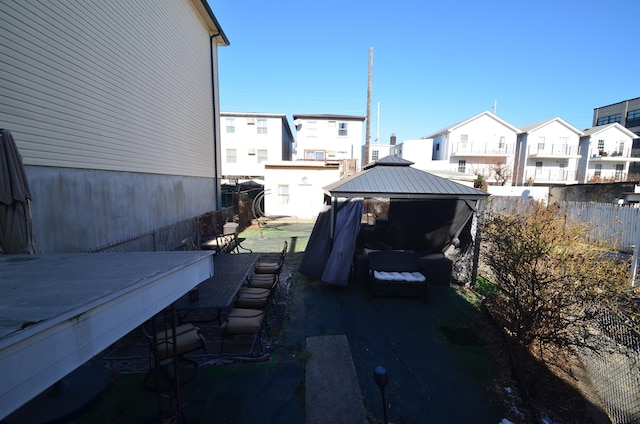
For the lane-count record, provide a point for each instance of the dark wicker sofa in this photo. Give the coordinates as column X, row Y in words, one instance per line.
column 396, row 273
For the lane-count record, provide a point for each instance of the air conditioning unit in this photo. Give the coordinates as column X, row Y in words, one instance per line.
column 251, row 152
column 251, row 121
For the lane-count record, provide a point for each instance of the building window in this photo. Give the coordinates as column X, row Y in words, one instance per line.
column 541, row 142
column 462, row 166
column 231, row 156
column 263, row 155
column 620, row 148
column 342, row 129
column 314, row 154
column 619, row 169
column 538, row 168
column 609, row 119
column 283, row 194
column 437, row 147
column 598, row 170
column 374, row 155
column 633, row 118
column 262, row 126
column 464, row 139
column 231, row 125
column 501, row 143
column 600, row 146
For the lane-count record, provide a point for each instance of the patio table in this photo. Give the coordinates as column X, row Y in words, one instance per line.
column 230, row 272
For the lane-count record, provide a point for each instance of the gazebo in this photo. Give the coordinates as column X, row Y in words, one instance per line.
column 426, row 214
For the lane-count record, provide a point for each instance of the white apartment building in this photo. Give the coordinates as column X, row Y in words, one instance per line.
column 481, row 145
column 605, row 153
column 329, row 138
column 250, row 140
column 547, row 152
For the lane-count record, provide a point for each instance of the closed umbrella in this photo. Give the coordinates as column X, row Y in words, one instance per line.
column 16, row 232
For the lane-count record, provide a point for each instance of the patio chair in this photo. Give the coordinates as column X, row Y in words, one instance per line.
column 188, row 339
column 268, row 267
column 241, row 321
column 263, row 281
column 253, row 298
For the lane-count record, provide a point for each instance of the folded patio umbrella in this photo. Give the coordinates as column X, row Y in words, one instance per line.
column 16, row 232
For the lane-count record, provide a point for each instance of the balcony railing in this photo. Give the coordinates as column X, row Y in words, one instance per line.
column 610, row 153
column 552, row 150
column 483, row 148
column 550, row 175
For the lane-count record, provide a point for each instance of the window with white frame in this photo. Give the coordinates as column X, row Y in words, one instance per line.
column 501, row 143
column 462, row 166
column 598, row 171
column 263, row 155
column 600, row 146
column 541, row 142
column 232, row 156
column 342, row 129
column 374, row 155
column 620, row 147
column 262, row 126
column 314, row 154
column 283, row 194
column 231, row 125
column 464, row 140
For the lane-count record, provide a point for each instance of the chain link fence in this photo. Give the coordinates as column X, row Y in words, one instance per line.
column 198, row 229
column 615, row 373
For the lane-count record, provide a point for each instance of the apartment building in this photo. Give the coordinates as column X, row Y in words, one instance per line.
column 329, row 138
column 481, row 145
column 627, row 114
column 547, row 153
column 250, row 140
column 606, row 153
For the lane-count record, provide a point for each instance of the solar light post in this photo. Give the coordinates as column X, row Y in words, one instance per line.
column 381, row 378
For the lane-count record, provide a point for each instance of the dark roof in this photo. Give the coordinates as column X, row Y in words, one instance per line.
column 391, row 160
column 394, row 178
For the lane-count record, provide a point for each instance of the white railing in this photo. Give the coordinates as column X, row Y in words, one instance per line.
column 553, row 150
column 482, row 148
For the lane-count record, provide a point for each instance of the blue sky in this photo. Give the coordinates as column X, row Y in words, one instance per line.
column 434, row 63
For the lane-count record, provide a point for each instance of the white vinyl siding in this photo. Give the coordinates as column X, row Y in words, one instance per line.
column 101, row 86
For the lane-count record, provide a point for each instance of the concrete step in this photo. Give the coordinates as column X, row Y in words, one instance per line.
column 332, row 391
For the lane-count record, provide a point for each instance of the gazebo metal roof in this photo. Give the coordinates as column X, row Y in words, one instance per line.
column 394, row 178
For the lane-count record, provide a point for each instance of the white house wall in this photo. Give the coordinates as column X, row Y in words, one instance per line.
column 322, row 135
column 482, row 148
column 304, row 185
column 246, row 142
column 111, row 107
column 417, row 151
column 616, row 153
column 561, row 146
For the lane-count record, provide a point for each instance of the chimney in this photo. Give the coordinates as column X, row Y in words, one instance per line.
column 393, row 139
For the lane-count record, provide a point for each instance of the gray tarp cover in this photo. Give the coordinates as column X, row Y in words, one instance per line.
column 331, row 262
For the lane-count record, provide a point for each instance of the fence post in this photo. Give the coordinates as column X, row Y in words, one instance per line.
column 636, row 246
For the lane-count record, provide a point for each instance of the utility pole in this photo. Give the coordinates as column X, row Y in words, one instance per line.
column 368, row 127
